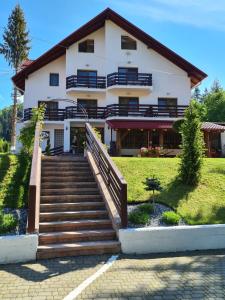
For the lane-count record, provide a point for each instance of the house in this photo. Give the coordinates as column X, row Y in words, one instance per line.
column 112, row 74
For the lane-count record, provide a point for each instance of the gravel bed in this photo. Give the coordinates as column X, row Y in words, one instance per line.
column 21, row 215
column 155, row 217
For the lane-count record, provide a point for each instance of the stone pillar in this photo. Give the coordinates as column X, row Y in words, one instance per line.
column 66, row 145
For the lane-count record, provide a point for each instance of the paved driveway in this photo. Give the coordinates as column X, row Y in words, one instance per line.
column 194, row 276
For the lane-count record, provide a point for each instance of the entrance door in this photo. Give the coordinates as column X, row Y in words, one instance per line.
column 59, row 138
column 77, row 139
column 128, row 75
column 86, row 78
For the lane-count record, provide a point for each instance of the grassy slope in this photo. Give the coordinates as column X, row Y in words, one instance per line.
column 202, row 205
column 14, row 178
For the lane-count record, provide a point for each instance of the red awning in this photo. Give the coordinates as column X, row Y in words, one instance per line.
column 125, row 124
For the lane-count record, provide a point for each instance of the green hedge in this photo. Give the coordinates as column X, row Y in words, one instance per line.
column 4, row 146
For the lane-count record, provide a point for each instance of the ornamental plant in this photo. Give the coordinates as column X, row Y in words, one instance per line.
column 27, row 133
column 192, row 146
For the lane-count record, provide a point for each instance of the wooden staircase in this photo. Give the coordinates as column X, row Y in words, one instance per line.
column 73, row 216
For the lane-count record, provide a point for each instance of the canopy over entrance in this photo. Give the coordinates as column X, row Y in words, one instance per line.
column 132, row 124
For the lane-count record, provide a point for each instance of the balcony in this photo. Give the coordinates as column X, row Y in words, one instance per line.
column 145, row 110
column 70, row 112
column 78, row 83
column 140, row 81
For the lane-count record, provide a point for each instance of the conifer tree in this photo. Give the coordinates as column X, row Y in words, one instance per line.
column 15, row 48
column 192, row 146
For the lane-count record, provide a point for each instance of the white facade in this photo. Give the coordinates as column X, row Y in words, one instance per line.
column 168, row 80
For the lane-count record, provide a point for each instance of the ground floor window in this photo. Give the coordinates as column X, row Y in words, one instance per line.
column 171, row 139
column 133, row 139
column 136, row 138
column 59, row 138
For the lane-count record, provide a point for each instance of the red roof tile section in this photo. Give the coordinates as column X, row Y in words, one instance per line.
column 58, row 50
column 208, row 126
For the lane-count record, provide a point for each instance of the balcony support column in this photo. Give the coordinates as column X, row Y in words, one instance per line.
column 161, row 142
column 66, row 146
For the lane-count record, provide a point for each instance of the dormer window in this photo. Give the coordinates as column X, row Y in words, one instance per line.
column 86, row 46
column 128, row 43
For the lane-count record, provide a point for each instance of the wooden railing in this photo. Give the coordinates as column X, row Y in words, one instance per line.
column 100, row 112
column 141, row 79
column 34, row 186
column 54, row 151
column 78, row 81
column 112, row 177
column 145, row 110
column 75, row 112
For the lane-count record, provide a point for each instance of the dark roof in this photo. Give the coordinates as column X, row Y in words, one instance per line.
column 94, row 24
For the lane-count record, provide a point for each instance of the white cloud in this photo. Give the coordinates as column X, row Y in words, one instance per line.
column 199, row 13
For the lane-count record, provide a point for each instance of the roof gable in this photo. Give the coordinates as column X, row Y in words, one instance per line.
column 94, row 24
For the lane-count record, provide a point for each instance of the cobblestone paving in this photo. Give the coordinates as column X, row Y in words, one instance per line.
column 46, row 279
column 194, row 276
column 145, row 277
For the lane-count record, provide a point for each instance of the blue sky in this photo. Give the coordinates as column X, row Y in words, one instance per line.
column 195, row 29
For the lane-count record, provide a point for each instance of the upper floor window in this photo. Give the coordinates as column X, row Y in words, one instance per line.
column 54, row 79
column 128, row 43
column 86, row 46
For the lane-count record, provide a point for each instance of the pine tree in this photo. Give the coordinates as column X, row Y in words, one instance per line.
column 197, row 94
column 192, row 146
column 15, row 49
column 216, row 87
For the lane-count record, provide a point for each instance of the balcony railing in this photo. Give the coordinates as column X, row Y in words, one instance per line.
column 75, row 112
column 113, row 110
column 95, row 82
column 145, row 110
column 139, row 79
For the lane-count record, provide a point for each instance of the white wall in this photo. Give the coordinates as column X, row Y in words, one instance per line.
column 168, row 79
column 37, row 84
column 172, row 239
column 87, row 61
column 18, row 248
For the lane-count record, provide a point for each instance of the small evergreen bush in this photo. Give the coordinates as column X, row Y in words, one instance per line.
column 171, row 218
column 146, row 207
column 139, row 217
column 7, row 223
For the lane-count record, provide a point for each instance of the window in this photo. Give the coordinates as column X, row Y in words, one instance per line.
column 59, row 138
column 134, row 139
column 90, row 106
column 54, row 79
column 128, row 75
column 128, row 105
column 87, row 78
column 168, row 106
column 128, row 43
column 86, row 46
column 50, row 105
column 86, row 103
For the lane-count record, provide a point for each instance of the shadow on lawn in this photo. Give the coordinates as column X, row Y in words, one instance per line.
column 217, row 171
column 174, row 192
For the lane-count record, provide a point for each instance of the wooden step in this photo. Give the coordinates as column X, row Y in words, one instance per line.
column 70, row 198
column 74, row 225
column 61, row 158
column 77, row 178
column 63, row 162
column 70, row 191
column 58, row 173
column 65, row 168
column 79, row 248
column 73, row 215
column 69, row 184
column 79, row 206
column 76, row 236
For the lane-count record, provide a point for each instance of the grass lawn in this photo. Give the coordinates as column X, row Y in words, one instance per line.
column 14, row 178
column 204, row 204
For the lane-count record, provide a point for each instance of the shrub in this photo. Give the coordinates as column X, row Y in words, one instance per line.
column 7, row 223
column 171, row 218
column 139, row 217
column 4, row 146
column 146, row 207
